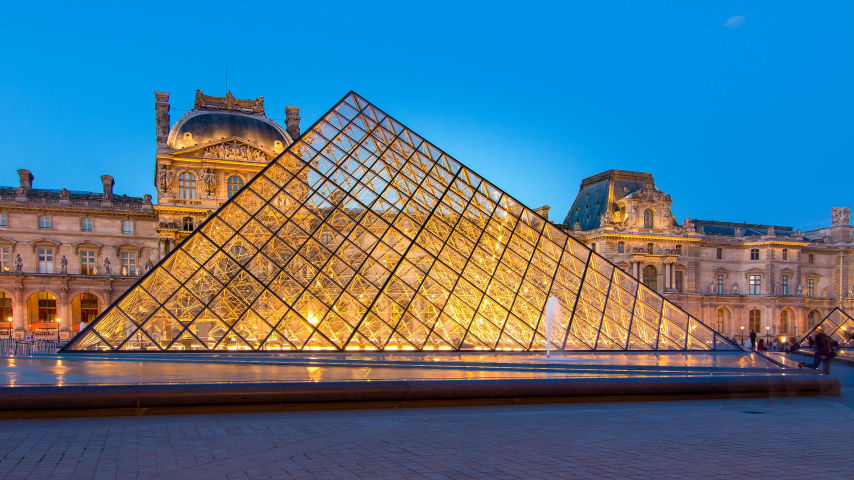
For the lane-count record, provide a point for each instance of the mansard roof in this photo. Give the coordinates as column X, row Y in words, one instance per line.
column 597, row 191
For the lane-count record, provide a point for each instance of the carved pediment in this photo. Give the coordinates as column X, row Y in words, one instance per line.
column 232, row 149
column 649, row 193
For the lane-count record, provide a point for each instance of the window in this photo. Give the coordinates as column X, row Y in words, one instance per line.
column 784, row 284
column 4, row 220
column 5, row 260
column 649, row 248
column 188, row 224
column 647, row 218
column 678, row 249
column 813, row 318
column 811, row 259
column 784, row 321
column 128, row 264
column 44, row 223
column 5, row 307
column 233, row 184
column 45, row 260
column 811, row 287
column 680, row 279
column 754, row 284
column 621, row 247
column 719, row 320
column 46, row 307
column 593, row 246
column 755, row 320
column 785, row 254
column 650, row 277
column 719, row 254
column 88, row 307
column 187, row 186
column 87, row 262
column 85, row 224
column 719, row 285
column 127, row 227
column 754, row 254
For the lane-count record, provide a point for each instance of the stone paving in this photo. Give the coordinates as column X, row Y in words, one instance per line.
column 709, row 439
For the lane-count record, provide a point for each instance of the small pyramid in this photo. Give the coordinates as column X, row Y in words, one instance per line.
column 838, row 325
column 364, row 236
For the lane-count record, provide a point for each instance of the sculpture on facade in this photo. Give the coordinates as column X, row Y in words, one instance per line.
column 19, row 264
column 735, row 288
column 208, row 178
column 825, row 293
column 688, row 224
column 164, row 178
column 63, row 265
column 799, row 289
column 108, row 270
column 852, row 291
column 840, row 216
column 64, row 194
column 148, row 265
column 234, row 151
column 146, row 199
column 776, row 288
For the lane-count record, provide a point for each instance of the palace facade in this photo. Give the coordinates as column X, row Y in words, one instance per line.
column 66, row 255
column 735, row 277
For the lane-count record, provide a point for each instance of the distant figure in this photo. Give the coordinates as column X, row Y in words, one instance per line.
column 810, row 341
column 760, row 347
column 793, row 346
column 823, row 353
column 82, row 325
column 752, row 337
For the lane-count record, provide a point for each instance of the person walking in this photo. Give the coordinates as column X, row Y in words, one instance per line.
column 752, row 339
column 823, row 353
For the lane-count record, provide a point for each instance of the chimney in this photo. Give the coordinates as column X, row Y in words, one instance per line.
column 292, row 121
column 543, row 211
column 107, row 181
column 26, row 178
column 161, row 117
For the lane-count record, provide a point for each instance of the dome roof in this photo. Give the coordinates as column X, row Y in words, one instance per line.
column 199, row 127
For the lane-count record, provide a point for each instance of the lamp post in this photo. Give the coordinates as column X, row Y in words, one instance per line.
column 767, row 333
column 742, row 334
column 10, row 327
column 58, row 320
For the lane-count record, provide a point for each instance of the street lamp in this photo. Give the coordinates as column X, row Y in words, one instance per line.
column 10, row 327
column 58, row 320
column 742, row 334
column 767, row 332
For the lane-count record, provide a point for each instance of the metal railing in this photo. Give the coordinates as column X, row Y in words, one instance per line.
column 11, row 347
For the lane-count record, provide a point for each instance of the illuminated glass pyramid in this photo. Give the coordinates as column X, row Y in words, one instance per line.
column 363, row 236
column 838, row 324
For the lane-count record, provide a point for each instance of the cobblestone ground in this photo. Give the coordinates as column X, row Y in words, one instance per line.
column 709, row 439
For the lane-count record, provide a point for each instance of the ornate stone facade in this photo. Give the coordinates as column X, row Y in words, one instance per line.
column 774, row 279
column 55, row 246
column 208, row 154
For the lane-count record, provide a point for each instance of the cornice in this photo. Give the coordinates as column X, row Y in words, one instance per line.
column 77, row 211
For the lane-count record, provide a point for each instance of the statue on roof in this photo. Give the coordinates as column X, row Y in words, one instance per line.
column 840, row 216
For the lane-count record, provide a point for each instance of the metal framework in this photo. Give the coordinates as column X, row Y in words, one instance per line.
column 364, row 236
column 838, row 325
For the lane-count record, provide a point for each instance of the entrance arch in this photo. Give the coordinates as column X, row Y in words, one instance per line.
column 813, row 318
column 788, row 322
column 5, row 313
column 650, row 277
column 723, row 319
column 84, row 308
column 41, row 311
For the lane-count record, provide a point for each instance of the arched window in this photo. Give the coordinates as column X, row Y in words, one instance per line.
column 187, row 186
column 784, row 321
column 234, row 183
column 813, row 318
column 621, row 247
column 755, row 320
column 188, row 224
column 720, row 320
column 647, row 218
column 678, row 249
column 5, row 307
column 650, row 277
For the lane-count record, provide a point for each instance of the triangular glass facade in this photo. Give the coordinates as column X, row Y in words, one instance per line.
column 838, row 324
column 364, row 236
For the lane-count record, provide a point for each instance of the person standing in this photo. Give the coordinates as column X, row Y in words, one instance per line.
column 752, row 340
column 823, row 353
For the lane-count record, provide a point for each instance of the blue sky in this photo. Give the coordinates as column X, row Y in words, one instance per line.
column 741, row 110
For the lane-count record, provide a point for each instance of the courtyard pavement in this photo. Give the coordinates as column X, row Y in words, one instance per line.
column 711, row 439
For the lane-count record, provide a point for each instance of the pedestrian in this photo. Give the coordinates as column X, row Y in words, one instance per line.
column 82, row 325
column 810, row 341
column 752, row 337
column 823, row 353
column 760, row 347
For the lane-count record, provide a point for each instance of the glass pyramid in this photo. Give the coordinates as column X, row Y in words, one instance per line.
column 364, row 236
column 838, row 324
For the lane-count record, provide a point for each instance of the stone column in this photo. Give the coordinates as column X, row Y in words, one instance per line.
column 19, row 312
column 64, row 311
column 667, row 276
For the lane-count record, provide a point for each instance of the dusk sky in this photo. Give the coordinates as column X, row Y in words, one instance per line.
column 742, row 111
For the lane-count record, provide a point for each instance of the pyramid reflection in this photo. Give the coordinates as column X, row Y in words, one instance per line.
column 364, row 236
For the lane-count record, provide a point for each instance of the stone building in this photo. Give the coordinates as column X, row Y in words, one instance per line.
column 210, row 152
column 733, row 276
column 65, row 255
